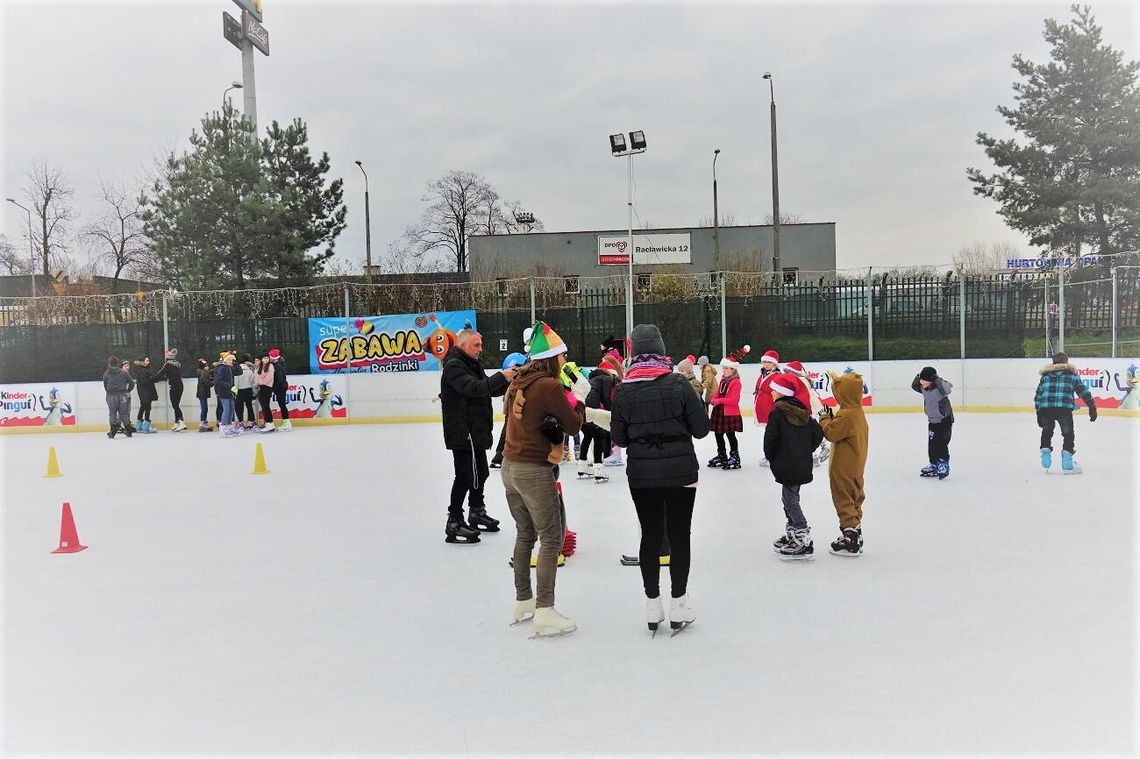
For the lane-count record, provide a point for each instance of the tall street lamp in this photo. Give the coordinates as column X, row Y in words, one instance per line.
column 775, row 185
column 225, row 99
column 31, row 247
column 367, row 228
column 716, row 212
column 620, row 148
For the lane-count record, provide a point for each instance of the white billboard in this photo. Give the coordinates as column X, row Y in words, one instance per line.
column 647, row 249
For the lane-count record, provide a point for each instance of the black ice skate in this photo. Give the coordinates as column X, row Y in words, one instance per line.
column 784, row 539
column 799, row 546
column 850, row 543
column 717, row 461
column 129, row 429
column 460, row 533
column 114, row 429
column 930, row 470
column 733, row 461
column 479, row 520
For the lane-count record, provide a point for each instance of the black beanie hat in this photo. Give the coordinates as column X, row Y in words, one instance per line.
column 646, row 339
column 928, row 373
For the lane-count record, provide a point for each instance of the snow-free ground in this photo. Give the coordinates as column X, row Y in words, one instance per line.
column 317, row 609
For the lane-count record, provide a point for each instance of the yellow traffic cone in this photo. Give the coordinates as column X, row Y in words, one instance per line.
column 259, row 461
column 53, row 465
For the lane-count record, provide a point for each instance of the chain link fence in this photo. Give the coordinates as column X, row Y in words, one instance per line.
column 833, row 316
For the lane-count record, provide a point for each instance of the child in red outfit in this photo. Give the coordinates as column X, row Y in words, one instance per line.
column 726, row 420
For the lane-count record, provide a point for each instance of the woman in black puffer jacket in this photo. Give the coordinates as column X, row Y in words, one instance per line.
column 655, row 417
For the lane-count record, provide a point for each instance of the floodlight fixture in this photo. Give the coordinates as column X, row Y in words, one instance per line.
column 617, row 144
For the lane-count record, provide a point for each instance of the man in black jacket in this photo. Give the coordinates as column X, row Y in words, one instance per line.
column 465, row 393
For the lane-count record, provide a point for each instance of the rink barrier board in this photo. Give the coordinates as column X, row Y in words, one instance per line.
column 980, row 386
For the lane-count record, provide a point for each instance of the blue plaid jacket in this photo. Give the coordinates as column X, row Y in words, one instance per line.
column 1059, row 383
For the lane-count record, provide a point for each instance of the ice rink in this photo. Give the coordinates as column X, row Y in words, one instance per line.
column 317, row 609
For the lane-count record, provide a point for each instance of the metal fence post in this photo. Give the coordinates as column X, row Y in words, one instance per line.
column 1115, row 308
column 165, row 348
column 870, row 316
column 723, row 317
column 533, row 318
column 1061, row 305
column 962, row 330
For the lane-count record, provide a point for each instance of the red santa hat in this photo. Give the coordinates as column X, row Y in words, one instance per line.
column 732, row 360
column 770, row 355
column 784, row 384
column 795, row 367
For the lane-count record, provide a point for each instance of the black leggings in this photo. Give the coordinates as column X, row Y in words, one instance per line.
column 279, row 395
column 592, row 433
column 720, row 445
column 144, row 410
column 175, row 399
column 264, row 393
column 664, row 511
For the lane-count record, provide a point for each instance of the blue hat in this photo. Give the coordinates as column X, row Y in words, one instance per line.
column 513, row 360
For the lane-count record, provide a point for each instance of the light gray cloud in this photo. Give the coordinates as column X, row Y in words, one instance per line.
column 878, row 104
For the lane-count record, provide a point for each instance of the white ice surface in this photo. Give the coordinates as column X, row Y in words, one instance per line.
column 318, row 610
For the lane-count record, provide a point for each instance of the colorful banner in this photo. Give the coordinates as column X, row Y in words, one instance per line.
column 821, row 380
column 312, row 396
column 396, row 343
column 1113, row 382
column 38, row 405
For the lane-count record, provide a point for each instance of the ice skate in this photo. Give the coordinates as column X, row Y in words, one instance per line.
column 229, row 431
column 930, row 470
column 113, row 431
column 680, row 615
column 942, row 468
column 1069, row 465
column 763, row 463
column 203, row 427
column 524, row 611
column 496, row 461
column 1046, row 459
column 267, row 427
column 784, row 539
column 799, row 546
column 585, row 470
column 717, row 461
column 600, row 476
column 286, row 426
column 479, row 520
column 824, row 451
column 733, row 461
column 654, row 614
column 613, row 460
column 549, row 623
column 179, row 426
column 129, row 429
column 459, row 533
column 850, row 543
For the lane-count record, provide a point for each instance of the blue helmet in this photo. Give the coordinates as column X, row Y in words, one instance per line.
column 513, row 360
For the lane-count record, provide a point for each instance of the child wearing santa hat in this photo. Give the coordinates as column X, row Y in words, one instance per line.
column 726, row 420
column 807, row 396
column 762, row 393
column 790, row 438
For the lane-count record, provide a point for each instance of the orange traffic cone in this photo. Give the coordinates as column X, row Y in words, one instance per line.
column 68, row 535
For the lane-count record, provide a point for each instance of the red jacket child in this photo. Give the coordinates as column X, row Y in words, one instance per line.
column 769, row 367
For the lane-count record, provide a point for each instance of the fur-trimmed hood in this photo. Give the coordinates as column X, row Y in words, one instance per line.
column 1058, row 368
column 796, row 414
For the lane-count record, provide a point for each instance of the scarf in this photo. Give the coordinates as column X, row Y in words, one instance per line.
column 648, row 366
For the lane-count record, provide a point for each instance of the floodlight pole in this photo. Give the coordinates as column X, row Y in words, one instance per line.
column 629, row 281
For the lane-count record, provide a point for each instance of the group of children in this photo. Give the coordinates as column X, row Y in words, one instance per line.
column 234, row 383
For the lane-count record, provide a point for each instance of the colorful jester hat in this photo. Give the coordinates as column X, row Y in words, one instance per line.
column 545, row 342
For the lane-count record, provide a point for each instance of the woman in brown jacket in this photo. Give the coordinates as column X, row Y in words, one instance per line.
column 540, row 414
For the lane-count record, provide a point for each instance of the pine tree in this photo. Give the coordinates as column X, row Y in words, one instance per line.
column 1074, row 181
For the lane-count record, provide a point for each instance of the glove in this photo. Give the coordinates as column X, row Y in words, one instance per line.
column 551, row 429
column 1092, row 412
column 598, row 416
column 233, row 389
column 581, row 389
column 826, row 411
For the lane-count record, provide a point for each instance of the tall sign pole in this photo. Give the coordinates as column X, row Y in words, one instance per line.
column 254, row 35
column 248, row 87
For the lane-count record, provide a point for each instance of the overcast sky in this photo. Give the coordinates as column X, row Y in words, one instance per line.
column 878, row 105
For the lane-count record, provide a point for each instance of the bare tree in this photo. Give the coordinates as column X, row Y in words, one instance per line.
column 979, row 258
column 785, row 218
column 13, row 259
column 726, row 220
column 118, row 237
column 51, row 198
column 462, row 203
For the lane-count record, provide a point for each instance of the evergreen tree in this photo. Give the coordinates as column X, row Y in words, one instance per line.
column 1075, row 179
column 233, row 213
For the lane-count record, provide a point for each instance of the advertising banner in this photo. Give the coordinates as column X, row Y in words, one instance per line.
column 647, row 249
column 1113, row 382
column 821, row 380
column 38, row 405
column 313, row 396
column 395, row 343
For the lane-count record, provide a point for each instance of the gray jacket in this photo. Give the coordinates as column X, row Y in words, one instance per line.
column 117, row 382
column 935, row 402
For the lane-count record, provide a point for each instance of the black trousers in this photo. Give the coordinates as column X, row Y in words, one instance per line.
column 664, row 511
column 592, row 433
column 144, row 410
column 720, row 447
column 264, row 393
column 471, row 472
column 938, row 440
column 1047, row 418
column 502, row 441
column 175, row 399
column 279, row 396
column 244, row 403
